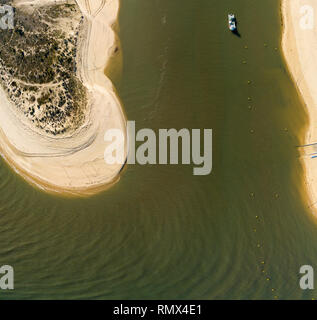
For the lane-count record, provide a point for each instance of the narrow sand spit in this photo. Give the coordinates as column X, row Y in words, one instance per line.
column 300, row 51
column 72, row 164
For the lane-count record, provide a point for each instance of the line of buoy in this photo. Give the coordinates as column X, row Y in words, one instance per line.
column 276, row 195
column 263, row 271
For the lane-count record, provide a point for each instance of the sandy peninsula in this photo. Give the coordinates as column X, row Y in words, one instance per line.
column 299, row 42
column 71, row 162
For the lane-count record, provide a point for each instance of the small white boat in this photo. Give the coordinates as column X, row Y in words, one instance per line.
column 232, row 22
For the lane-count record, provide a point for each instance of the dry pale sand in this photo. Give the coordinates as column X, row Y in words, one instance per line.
column 73, row 164
column 300, row 50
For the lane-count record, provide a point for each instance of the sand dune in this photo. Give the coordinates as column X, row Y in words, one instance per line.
column 300, row 49
column 72, row 164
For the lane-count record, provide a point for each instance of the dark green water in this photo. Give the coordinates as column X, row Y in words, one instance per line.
column 162, row 232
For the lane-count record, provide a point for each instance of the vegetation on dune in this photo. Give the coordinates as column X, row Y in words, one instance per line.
column 38, row 66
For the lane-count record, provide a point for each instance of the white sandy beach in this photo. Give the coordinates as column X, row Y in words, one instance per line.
column 74, row 164
column 300, row 50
